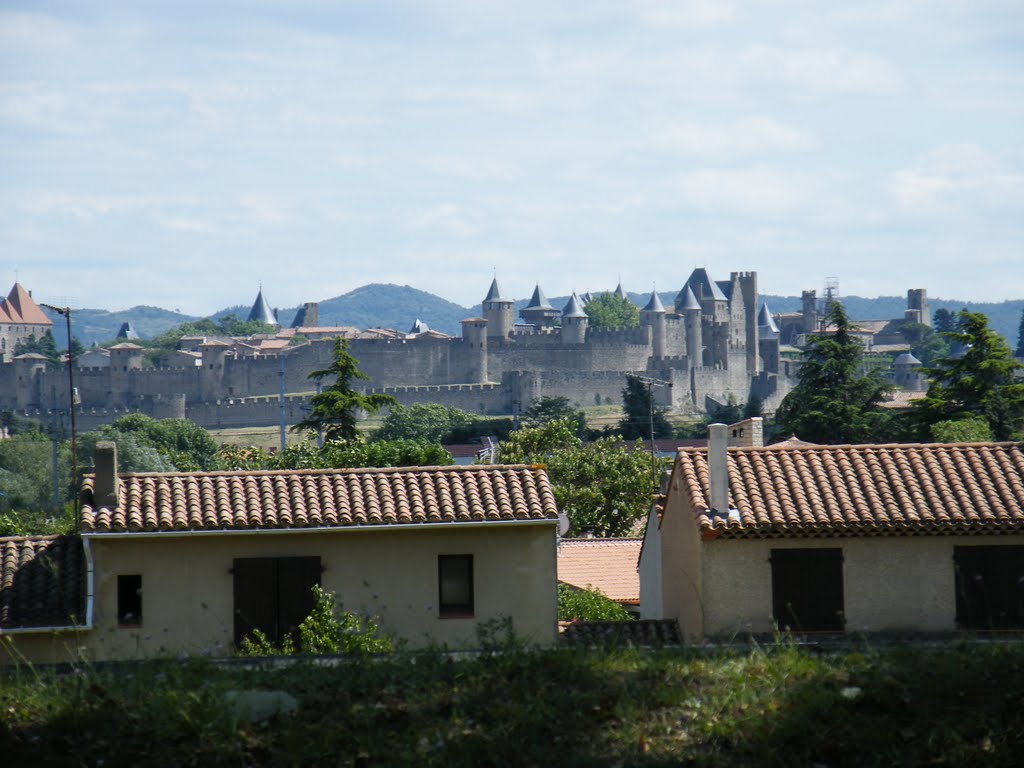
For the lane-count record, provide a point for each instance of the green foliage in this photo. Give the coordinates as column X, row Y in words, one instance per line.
column 971, row 429
column 334, row 409
column 134, row 454
column 926, row 345
column 588, row 605
column 836, row 399
column 327, row 630
column 1019, row 352
column 637, row 408
column 608, row 311
column 944, row 321
column 26, row 481
column 429, row 422
column 44, row 345
column 336, row 454
column 979, row 381
column 549, row 408
column 185, row 444
column 603, row 487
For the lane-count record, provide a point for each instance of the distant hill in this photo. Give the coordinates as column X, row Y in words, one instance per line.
column 379, row 305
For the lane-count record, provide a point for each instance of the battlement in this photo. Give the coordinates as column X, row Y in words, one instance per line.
column 422, row 389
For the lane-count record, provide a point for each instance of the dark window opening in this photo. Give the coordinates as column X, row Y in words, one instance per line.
column 273, row 595
column 129, row 600
column 455, row 586
column 989, row 587
column 807, row 590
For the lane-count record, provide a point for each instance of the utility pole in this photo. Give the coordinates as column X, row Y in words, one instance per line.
column 66, row 312
column 651, row 383
column 280, row 400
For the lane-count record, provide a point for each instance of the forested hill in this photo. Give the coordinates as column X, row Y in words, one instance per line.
column 397, row 306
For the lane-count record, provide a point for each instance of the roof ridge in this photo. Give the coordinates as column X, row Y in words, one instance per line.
column 335, row 470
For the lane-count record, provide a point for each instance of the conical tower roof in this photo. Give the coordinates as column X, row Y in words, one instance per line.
column 573, row 308
column 494, row 294
column 261, row 311
column 619, row 293
column 19, row 307
column 538, row 300
column 689, row 300
column 766, row 321
column 654, row 305
column 126, row 331
column 419, row 327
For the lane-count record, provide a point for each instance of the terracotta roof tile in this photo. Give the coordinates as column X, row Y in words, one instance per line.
column 19, row 307
column 42, row 582
column 861, row 489
column 212, row 501
column 607, row 565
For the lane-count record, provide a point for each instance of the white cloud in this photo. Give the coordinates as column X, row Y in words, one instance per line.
column 445, row 217
column 957, row 177
column 186, row 224
column 264, row 209
column 469, row 167
column 35, row 32
column 744, row 136
column 85, row 206
column 758, row 191
column 821, row 70
column 692, row 13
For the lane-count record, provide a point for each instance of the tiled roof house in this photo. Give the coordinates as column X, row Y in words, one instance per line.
column 193, row 562
column 894, row 538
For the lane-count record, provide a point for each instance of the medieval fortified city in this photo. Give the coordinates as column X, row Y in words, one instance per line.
column 617, row 384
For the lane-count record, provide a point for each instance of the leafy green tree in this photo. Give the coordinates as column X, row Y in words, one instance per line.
column 134, row 454
column 604, row 487
column 44, row 345
column 588, row 605
column 977, row 381
column 550, row 408
column 334, row 409
column 606, row 310
column 188, row 446
column 430, row 422
column 337, row 454
column 836, row 399
column 637, row 407
column 26, row 480
column 972, row 429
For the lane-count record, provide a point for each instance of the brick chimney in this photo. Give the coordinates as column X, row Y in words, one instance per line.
column 104, row 490
column 718, row 471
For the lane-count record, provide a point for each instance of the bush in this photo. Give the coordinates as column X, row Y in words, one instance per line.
column 588, row 605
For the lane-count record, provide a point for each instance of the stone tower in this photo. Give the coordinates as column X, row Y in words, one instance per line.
column 499, row 313
column 809, row 310
column 691, row 311
column 574, row 321
column 474, row 336
column 654, row 315
column 539, row 313
column 748, row 288
column 918, row 310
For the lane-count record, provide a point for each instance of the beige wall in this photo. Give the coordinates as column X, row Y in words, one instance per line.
column 890, row 584
column 681, row 570
column 187, row 587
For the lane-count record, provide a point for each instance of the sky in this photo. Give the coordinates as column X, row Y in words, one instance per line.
column 182, row 154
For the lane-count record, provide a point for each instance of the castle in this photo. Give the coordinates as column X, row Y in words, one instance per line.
column 710, row 346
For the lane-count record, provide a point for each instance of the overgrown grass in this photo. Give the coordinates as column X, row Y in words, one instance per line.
column 779, row 706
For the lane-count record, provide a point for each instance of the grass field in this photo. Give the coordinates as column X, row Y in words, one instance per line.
column 775, row 706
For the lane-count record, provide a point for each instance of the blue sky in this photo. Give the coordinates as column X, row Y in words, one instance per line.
column 177, row 154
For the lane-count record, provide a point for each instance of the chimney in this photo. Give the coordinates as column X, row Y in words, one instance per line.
column 104, row 490
column 718, row 472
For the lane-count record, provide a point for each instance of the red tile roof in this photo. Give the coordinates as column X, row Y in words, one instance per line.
column 19, row 307
column 333, row 498
column 607, row 565
column 42, row 582
column 849, row 490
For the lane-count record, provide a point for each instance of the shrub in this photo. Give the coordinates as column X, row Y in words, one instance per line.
column 588, row 605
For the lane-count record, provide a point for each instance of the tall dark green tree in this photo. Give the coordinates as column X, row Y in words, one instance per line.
column 639, row 412
column 836, row 399
column 1019, row 352
column 977, row 380
column 334, row 410
column 944, row 321
column 551, row 408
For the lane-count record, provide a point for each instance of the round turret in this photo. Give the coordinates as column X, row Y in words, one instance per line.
column 653, row 315
column 499, row 312
column 574, row 321
column 474, row 337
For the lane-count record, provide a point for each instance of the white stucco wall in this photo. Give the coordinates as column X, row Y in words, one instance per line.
column 649, row 570
column 188, row 600
column 889, row 583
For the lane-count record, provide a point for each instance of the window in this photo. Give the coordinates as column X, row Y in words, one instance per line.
column 807, row 589
column 989, row 587
column 455, row 586
column 273, row 595
column 129, row 600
